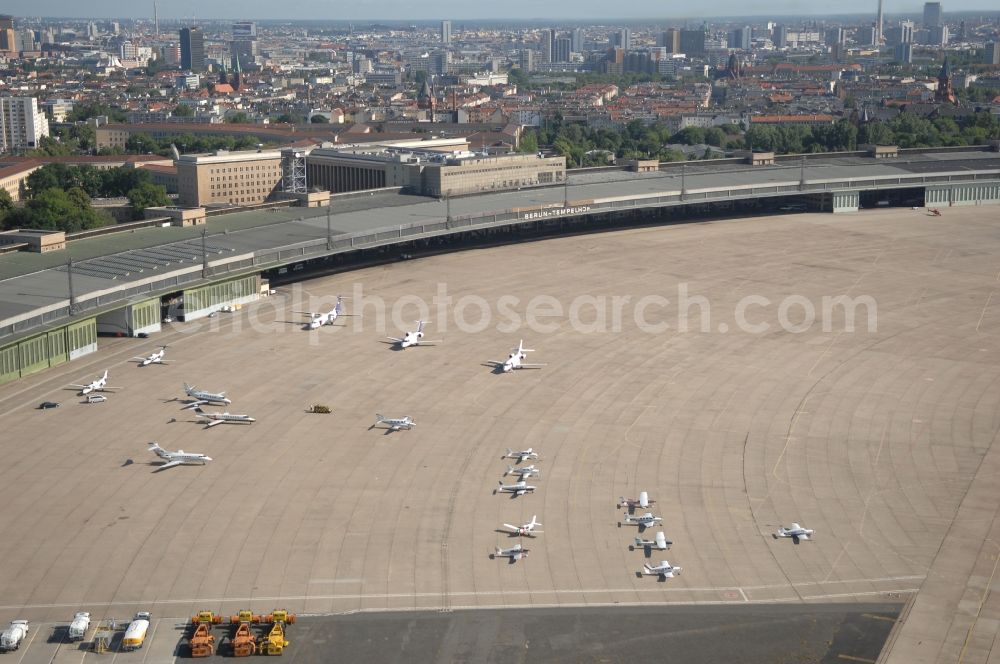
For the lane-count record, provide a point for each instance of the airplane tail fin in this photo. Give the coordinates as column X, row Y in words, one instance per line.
column 510, row 469
column 188, row 388
column 379, row 418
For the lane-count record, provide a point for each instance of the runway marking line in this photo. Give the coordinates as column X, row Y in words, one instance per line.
column 852, row 658
column 874, row 617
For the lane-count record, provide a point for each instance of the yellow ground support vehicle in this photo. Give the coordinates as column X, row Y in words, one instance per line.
column 274, row 642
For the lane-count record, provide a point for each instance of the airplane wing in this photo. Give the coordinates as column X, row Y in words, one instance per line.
column 804, row 536
column 306, row 313
column 495, row 363
column 169, row 464
column 398, row 341
column 512, row 527
column 138, row 359
column 532, row 366
column 80, row 387
column 430, row 341
column 213, row 423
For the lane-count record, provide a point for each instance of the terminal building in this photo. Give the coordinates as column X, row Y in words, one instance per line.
column 429, row 172
column 228, row 178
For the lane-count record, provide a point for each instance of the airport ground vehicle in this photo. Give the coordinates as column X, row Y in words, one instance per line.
column 45, row 405
column 96, row 398
column 202, row 641
column 78, row 628
column 11, row 638
column 135, row 633
column 242, row 640
column 274, row 642
column 318, row 408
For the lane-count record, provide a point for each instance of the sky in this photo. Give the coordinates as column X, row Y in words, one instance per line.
column 458, row 10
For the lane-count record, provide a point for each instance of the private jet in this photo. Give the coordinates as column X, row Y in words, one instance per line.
column 176, row 458
column 644, row 521
column 525, row 530
column 664, row 570
column 152, row 358
column 223, row 418
column 515, row 360
column 522, row 455
column 516, row 489
column 660, row 543
column 515, row 553
column 394, row 423
column 318, row 320
column 524, row 472
column 99, row 385
column 796, row 532
column 415, row 338
column 201, row 397
column 642, row 501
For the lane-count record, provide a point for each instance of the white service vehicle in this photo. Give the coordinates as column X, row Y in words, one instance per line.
column 135, row 633
column 78, row 628
column 12, row 637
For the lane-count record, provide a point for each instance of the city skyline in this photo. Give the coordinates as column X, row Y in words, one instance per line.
column 518, row 10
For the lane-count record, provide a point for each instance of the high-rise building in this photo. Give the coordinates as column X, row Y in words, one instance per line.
column 903, row 34
column 903, row 52
column 671, row 40
column 446, row 32
column 620, row 39
column 877, row 41
column 693, row 42
column 991, row 54
column 938, row 35
column 779, row 36
column 244, row 30
column 740, row 38
column 22, row 124
column 562, row 49
column 243, row 51
column 526, row 60
column 8, row 38
column 932, row 15
column 577, row 40
column 835, row 37
column 549, row 45
column 192, row 49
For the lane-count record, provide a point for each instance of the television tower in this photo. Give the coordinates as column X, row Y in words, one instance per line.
column 878, row 25
column 156, row 19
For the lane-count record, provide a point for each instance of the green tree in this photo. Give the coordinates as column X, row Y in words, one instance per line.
column 238, row 118
column 147, row 195
column 689, row 136
column 183, row 111
column 55, row 209
column 6, row 204
column 715, row 136
column 517, row 77
column 319, row 119
column 529, row 142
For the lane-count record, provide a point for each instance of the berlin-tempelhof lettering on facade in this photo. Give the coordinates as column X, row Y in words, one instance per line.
column 558, row 212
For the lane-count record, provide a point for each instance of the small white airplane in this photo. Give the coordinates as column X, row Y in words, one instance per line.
column 517, row 488
column 201, row 397
column 644, row 521
column 796, row 532
column 522, row 455
column 525, row 530
column 642, row 501
column 524, row 472
column 176, row 458
column 664, row 570
column 98, row 385
column 394, row 423
column 516, row 360
column 152, row 358
column 318, row 320
column 515, row 553
column 415, row 338
column 659, row 542
column 223, row 418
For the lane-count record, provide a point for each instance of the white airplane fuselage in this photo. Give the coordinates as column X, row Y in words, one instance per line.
column 207, row 397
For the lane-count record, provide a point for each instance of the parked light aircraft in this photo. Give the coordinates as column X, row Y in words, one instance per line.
column 644, row 521
column 517, row 488
column 796, row 532
column 664, row 570
column 98, row 385
column 176, row 458
column 642, row 501
column 525, row 530
column 522, row 455
column 318, row 320
column 394, row 423
column 202, row 397
column 659, row 542
column 515, row 553
column 415, row 338
column 516, row 360
column 153, row 358
column 524, row 471
column 223, row 418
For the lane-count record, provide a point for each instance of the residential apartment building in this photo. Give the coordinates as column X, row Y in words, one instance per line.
column 22, row 124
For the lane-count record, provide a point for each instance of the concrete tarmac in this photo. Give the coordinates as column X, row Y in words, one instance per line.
column 745, row 417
